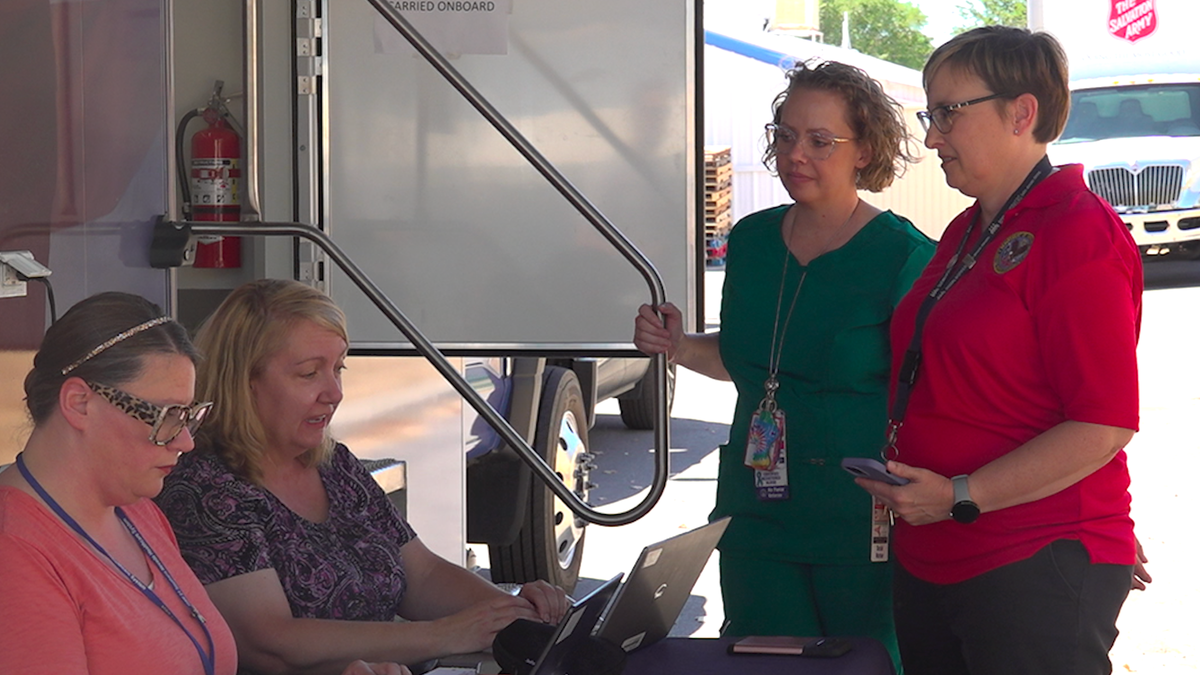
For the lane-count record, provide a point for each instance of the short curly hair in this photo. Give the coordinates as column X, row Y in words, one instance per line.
column 876, row 118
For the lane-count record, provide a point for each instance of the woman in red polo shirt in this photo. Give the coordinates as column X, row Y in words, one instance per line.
column 1015, row 385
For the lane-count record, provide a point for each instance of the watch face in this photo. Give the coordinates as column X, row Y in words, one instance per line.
column 965, row 512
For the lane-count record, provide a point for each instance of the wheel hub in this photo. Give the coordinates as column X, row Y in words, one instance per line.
column 572, row 464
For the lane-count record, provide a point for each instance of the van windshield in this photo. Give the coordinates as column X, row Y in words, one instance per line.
column 1123, row 112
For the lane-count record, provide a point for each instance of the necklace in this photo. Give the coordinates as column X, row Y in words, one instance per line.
column 207, row 659
column 765, row 444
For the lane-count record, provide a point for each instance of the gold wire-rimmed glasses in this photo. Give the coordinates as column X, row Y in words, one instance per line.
column 814, row 145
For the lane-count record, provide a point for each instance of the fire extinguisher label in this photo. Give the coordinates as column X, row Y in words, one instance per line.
column 214, row 181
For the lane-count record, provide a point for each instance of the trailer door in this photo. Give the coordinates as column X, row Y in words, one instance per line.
column 451, row 221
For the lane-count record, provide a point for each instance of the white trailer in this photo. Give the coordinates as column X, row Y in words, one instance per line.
column 369, row 171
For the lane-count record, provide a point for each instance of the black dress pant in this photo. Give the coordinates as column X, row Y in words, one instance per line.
column 1054, row 613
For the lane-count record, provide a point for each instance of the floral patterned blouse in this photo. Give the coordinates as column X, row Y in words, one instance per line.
column 348, row 567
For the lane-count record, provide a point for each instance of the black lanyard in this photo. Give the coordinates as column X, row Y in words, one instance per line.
column 207, row 659
column 956, row 268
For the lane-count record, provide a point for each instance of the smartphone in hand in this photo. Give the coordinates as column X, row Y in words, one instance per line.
column 864, row 467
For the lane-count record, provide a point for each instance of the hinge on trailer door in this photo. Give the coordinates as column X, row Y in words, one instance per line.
column 310, row 267
column 309, row 56
column 310, row 260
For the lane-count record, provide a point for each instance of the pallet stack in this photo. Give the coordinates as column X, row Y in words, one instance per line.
column 718, row 202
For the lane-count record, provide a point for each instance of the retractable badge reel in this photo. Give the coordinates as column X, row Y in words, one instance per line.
column 881, row 516
column 765, row 443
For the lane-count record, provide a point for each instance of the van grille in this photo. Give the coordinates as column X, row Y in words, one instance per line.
column 1150, row 187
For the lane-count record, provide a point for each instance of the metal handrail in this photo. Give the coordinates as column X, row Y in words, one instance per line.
column 172, row 235
column 658, row 294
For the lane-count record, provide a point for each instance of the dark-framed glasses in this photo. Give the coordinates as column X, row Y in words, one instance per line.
column 942, row 117
column 813, row 145
column 166, row 423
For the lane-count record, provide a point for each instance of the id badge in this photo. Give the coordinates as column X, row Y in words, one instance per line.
column 772, row 485
column 765, row 441
column 881, row 530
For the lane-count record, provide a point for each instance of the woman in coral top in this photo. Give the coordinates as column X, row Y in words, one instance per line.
column 91, row 579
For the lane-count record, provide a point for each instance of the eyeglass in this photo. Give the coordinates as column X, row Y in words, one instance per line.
column 165, row 423
column 941, row 116
column 813, row 145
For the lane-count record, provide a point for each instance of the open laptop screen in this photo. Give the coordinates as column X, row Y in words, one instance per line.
column 575, row 628
column 657, row 588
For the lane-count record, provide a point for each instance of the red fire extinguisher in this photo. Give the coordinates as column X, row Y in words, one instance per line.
column 216, row 173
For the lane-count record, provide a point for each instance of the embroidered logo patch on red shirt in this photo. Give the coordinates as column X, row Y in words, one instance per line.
column 1012, row 251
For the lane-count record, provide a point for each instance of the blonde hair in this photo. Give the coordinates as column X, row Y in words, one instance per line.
column 876, row 118
column 249, row 327
column 1012, row 61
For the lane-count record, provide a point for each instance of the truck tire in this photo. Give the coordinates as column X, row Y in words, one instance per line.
column 637, row 406
column 549, row 545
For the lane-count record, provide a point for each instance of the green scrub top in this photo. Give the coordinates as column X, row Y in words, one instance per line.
column 833, row 378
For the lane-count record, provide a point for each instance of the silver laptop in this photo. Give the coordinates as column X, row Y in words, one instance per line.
column 649, row 602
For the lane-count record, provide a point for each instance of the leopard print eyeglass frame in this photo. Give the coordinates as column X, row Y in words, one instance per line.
column 165, row 423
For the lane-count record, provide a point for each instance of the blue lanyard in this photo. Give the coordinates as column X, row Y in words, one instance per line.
column 207, row 659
